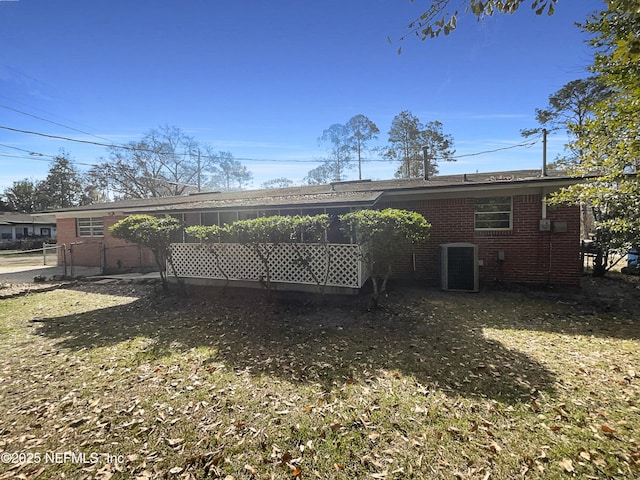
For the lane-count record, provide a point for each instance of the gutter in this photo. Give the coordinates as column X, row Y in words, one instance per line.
column 110, row 211
column 472, row 188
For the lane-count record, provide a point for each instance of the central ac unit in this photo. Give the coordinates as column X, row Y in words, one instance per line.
column 459, row 267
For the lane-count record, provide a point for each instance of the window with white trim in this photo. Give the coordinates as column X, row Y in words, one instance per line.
column 493, row 213
column 90, row 227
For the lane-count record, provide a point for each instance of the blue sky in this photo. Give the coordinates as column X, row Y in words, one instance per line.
column 264, row 79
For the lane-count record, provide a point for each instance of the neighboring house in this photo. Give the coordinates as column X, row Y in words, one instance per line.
column 17, row 226
column 501, row 219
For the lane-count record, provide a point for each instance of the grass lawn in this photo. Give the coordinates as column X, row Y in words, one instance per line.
column 112, row 381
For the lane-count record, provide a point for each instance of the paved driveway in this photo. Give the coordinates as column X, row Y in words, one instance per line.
column 25, row 273
column 17, row 269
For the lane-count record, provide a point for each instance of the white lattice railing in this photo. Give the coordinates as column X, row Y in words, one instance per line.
column 335, row 265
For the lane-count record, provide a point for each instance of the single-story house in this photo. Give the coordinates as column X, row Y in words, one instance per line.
column 496, row 224
column 17, row 226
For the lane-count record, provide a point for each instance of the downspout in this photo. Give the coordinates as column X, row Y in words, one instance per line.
column 544, row 217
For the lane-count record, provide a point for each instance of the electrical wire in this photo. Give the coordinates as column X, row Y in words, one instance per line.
column 519, row 145
column 6, row 155
column 30, row 152
column 53, row 123
column 67, row 139
column 133, row 148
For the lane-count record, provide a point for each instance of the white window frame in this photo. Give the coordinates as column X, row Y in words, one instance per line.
column 501, row 214
column 90, row 227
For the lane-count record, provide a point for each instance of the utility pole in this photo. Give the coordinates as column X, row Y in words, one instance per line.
column 199, row 169
column 544, row 152
column 425, row 154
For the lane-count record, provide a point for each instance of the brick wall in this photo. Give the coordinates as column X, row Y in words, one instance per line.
column 109, row 252
column 530, row 256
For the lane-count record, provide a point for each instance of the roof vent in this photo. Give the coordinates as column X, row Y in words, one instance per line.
column 192, row 194
column 347, row 182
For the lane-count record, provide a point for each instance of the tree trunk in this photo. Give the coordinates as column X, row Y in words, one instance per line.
column 182, row 291
column 599, row 264
column 376, row 293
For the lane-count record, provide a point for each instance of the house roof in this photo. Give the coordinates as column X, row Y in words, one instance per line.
column 13, row 218
column 364, row 193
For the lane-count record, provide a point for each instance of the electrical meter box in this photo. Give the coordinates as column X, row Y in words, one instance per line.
column 545, row 225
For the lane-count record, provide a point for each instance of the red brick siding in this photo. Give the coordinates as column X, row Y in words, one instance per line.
column 530, row 256
column 107, row 251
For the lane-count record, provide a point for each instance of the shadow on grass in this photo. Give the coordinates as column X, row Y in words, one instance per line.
column 329, row 345
column 603, row 308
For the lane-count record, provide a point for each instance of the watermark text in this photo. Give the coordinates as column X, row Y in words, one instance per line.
column 85, row 458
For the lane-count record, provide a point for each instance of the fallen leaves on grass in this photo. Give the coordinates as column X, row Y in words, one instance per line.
column 425, row 388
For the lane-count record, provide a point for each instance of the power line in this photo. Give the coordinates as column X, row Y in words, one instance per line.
column 23, row 157
column 30, row 152
column 128, row 147
column 45, row 160
column 519, row 145
column 67, row 139
column 133, row 148
column 52, row 122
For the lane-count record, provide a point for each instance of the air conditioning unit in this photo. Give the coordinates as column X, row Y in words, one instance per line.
column 459, row 267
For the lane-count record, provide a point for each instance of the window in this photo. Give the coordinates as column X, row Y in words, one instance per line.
column 89, row 227
column 493, row 213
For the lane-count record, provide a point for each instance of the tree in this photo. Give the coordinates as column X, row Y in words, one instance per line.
column 264, row 235
column 436, row 146
column 320, row 175
column 22, row 196
column 4, row 206
column 155, row 233
column 406, row 143
column 164, row 162
column 409, row 139
column 280, row 182
column 568, row 108
column 385, row 234
column 226, row 172
column 64, row 186
column 336, row 141
column 216, row 238
column 440, row 18
column 306, row 230
column 360, row 130
column 608, row 142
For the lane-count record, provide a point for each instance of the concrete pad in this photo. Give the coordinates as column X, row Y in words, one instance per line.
column 106, row 281
column 127, row 276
